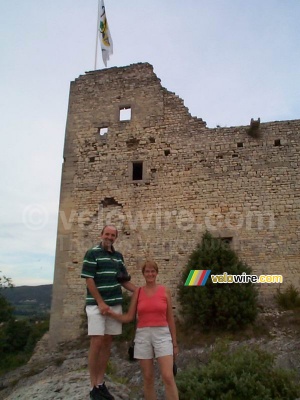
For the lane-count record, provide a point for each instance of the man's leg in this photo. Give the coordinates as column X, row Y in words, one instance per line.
column 99, row 354
column 104, row 357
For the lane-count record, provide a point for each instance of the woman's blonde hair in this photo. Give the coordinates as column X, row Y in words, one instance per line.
column 151, row 264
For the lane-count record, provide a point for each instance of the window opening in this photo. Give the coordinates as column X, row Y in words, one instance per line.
column 226, row 240
column 103, row 131
column 277, row 142
column 137, row 171
column 125, row 114
column 240, row 144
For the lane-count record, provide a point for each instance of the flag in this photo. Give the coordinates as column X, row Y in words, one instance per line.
column 104, row 34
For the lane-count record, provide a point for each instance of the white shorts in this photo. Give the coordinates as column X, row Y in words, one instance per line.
column 152, row 342
column 99, row 325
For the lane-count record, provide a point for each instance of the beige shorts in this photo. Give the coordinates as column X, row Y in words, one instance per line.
column 99, row 325
column 152, row 342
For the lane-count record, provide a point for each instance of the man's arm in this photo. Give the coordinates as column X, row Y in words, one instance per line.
column 103, row 307
column 129, row 286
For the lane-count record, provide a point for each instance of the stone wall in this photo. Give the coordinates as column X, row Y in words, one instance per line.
column 164, row 178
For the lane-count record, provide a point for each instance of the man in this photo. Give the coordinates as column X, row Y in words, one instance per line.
column 100, row 267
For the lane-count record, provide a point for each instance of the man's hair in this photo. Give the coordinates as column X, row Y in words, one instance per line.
column 151, row 264
column 111, row 226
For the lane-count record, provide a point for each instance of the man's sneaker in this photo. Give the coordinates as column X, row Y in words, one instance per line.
column 104, row 393
column 95, row 394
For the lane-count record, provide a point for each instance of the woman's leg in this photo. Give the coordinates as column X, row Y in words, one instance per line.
column 166, row 370
column 148, row 376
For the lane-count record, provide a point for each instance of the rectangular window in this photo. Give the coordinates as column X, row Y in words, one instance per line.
column 137, row 171
column 125, row 114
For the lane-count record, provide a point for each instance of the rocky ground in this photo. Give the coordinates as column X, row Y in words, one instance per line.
column 62, row 375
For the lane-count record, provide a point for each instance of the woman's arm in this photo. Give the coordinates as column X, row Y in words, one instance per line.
column 129, row 316
column 171, row 321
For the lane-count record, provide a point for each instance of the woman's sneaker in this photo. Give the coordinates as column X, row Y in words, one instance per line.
column 95, row 394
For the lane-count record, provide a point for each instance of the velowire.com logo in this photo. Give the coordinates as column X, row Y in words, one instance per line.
column 197, row 277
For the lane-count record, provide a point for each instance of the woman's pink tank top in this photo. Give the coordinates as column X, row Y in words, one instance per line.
column 152, row 310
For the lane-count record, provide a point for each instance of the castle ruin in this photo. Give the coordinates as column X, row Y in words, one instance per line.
column 135, row 157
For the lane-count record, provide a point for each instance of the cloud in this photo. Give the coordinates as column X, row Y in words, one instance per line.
column 229, row 61
column 35, row 268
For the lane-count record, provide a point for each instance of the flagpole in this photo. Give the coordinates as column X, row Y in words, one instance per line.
column 97, row 32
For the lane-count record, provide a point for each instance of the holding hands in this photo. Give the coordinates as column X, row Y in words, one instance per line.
column 103, row 307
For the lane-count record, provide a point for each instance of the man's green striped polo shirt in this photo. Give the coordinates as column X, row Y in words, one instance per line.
column 102, row 266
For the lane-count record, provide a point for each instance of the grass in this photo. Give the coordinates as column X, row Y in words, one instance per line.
column 190, row 337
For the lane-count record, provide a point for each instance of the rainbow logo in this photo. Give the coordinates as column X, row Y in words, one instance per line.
column 197, row 277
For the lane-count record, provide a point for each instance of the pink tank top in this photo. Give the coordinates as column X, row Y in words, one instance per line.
column 152, row 310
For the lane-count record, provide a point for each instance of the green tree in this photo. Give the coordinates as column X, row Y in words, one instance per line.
column 16, row 334
column 6, row 309
column 5, row 281
column 226, row 306
column 17, row 338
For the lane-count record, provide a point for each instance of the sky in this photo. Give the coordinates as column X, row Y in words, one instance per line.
column 229, row 60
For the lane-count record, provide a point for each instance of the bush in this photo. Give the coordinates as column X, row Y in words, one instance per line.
column 10, row 362
column 242, row 374
column 36, row 333
column 17, row 342
column 289, row 299
column 226, row 306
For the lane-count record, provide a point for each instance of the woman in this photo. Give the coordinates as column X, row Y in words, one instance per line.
column 155, row 334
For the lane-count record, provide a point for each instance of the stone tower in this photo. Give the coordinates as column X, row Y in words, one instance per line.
column 134, row 156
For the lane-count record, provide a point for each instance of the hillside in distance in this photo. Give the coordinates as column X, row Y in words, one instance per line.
column 29, row 301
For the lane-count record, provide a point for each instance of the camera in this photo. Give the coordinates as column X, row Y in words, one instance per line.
column 123, row 276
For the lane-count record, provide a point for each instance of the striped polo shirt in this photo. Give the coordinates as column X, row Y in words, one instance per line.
column 102, row 266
